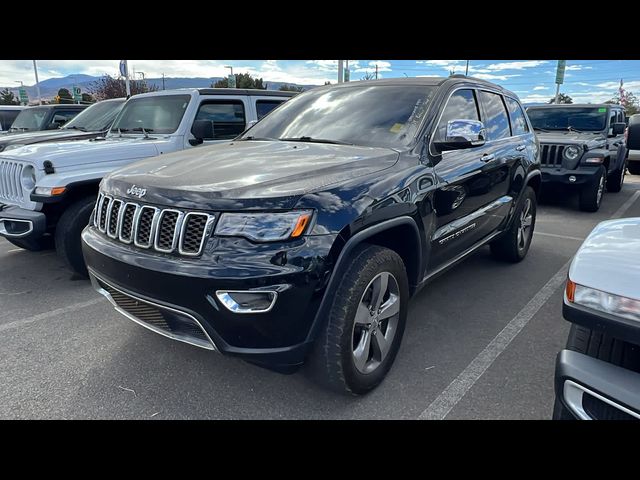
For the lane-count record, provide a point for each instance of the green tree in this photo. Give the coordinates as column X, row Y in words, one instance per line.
column 8, row 98
column 631, row 103
column 110, row 87
column 243, row 80
column 291, row 88
column 562, row 98
column 65, row 96
column 87, row 98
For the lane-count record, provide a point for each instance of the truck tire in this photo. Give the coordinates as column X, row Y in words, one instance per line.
column 513, row 245
column 68, row 230
column 591, row 195
column 33, row 244
column 615, row 180
column 356, row 348
column 634, row 168
column 597, row 345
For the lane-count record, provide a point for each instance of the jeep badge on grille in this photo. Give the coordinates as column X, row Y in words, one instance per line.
column 137, row 191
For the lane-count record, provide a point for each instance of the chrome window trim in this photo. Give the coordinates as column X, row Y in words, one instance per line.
column 176, row 229
column 207, row 232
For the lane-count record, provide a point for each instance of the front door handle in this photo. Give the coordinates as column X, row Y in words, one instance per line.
column 521, row 147
column 488, row 157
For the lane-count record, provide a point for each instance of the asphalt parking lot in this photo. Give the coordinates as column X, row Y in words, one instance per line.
column 480, row 343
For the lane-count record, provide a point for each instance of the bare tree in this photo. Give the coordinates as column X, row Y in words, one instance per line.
column 110, row 87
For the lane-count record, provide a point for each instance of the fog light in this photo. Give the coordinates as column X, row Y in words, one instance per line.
column 572, row 178
column 247, row 301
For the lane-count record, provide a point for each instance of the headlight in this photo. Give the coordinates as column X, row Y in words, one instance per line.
column 50, row 191
column 571, row 153
column 10, row 147
column 28, row 177
column 603, row 301
column 263, row 227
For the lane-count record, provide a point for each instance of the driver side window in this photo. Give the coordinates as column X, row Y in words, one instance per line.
column 462, row 105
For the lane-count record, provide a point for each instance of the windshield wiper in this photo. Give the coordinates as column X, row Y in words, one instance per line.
column 73, row 127
column 313, row 140
column 541, row 129
column 571, row 129
column 259, row 138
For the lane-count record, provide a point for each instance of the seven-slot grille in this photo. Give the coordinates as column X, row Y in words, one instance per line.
column 10, row 184
column 552, row 155
column 164, row 230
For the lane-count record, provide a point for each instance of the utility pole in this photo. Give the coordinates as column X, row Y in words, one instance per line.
column 466, row 70
column 232, row 79
column 124, row 71
column 35, row 69
column 559, row 78
column 376, row 71
column 340, row 71
column 163, row 81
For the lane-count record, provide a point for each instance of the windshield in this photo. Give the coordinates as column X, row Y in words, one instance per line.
column 30, row 119
column 372, row 115
column 586, row 119
column 97, row 117
column 158, row 114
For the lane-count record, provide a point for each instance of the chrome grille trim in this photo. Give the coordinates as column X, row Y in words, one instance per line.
column 207, row 231
column 186, row 237
column 10, row 184
column 176, row 230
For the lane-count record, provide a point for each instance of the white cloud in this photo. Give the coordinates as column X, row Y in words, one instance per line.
column 490, row 76
column 578, row 67
column 516, row 65
column 540, row 87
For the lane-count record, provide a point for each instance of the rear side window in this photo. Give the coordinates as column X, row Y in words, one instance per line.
column 7, row 117
column 461, row 106
column 265, row 106
column 518, row 122
column 228, row 118
column 497, row 121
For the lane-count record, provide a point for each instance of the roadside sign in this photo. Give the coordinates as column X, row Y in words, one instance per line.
column 123, row 68
column 77, row 94
column 346, row 75
column 560, row 71
column 232, row 81
column 24, row 98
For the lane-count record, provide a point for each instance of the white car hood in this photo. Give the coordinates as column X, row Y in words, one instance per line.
column 609, row 259
column 84, row 152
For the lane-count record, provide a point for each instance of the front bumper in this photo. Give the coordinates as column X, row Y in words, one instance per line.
column 593, row 389
column 16, row 222
column 557, row 176
column 278, row 338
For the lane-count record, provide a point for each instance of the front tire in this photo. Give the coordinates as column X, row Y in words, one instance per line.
column 68, row 230
column 591, row 196
column 616, row 180
column 514, row 244
column 359, row 343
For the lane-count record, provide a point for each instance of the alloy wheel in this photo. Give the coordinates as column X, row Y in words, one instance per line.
column 526, row 220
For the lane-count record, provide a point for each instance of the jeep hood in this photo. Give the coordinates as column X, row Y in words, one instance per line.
column 245, row 174
column 591, row 140
column 27, row 138
column 609, row 259
column 86, row 152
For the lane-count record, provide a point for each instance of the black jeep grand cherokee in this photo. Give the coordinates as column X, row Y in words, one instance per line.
column 305, row 237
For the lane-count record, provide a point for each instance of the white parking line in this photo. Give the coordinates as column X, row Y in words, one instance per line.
column 458, row 388
column 567, row 237
column 52, row 313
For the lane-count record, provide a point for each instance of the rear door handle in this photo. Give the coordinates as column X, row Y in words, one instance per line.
column 488, row 157
column 521, row 147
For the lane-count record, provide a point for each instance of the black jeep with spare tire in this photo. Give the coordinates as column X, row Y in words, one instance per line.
column 583, row 149
column 304, row 238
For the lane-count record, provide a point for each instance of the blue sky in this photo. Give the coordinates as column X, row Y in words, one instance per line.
column 532, row 80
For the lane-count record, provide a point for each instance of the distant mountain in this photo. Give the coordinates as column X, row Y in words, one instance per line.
column 49, row 88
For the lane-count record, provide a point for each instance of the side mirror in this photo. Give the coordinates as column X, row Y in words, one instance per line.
column 201, row 129
column 462, row 134
column 633, row 132
column 618, row 128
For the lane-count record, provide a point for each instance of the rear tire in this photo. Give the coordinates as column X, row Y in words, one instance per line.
column 68, row 230
column 513, row 245
column 616, row 180
column 591, row 195
column 356, row 348
column 634, row 168
column 33, row 244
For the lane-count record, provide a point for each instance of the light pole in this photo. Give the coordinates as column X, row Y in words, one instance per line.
column 231, row 76
column 35, row 69
column 466, row 70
